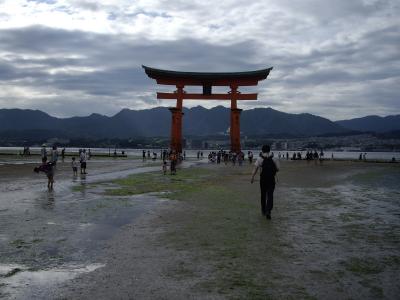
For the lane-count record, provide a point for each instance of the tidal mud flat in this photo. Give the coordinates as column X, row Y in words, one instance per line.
column 47, row 237
column 334, row 233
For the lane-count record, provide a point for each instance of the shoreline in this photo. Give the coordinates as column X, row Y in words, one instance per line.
column 136, row 157
column 66, row 155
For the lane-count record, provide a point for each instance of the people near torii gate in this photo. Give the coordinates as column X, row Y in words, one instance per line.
column 164, row 155
column 269, row 168
column 226, row 158
column 174, row 159
column 219, row 157
column 240, row 158
column 234, row 156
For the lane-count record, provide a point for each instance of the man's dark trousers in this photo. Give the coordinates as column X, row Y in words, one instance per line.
column 267, row 195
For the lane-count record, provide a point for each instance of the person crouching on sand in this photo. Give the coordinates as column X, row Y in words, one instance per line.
column 48, row 169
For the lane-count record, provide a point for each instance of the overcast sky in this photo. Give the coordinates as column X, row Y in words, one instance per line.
column 337, row 59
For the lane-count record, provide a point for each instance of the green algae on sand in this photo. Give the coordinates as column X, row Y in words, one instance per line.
column 185, row 180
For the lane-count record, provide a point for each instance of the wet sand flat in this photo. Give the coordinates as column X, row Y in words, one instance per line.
column 334, row 233
column 46, row 233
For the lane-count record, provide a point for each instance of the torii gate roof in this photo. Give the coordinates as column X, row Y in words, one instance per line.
column 169, row 77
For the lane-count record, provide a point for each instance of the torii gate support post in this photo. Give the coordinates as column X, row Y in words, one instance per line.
column 176, row 124
column 235, row 121
column 235, row 130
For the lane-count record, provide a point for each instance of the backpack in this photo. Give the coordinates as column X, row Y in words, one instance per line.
column 268, row 169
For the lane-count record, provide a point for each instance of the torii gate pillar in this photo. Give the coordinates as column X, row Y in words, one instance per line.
column 235, row 130
column 176, row 124
column 176, row 129
column 235, row 121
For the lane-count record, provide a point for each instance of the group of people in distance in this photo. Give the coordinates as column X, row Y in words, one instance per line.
column 225, row 156
column 165, row 155
column 315, row 156
column 266, row 163
column 49, row 163
column 239, row 157
column 362, row 156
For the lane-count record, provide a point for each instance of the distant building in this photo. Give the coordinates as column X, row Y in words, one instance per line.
column 60, row 141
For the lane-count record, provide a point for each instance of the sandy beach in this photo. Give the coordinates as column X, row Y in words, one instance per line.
column 115, row 234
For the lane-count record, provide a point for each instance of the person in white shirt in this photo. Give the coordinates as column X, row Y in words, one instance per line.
column 54, row 155
column 82, row 159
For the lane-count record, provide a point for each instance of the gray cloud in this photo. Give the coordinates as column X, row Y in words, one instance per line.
column 115, row 62
column 324, row 56
column 338, row 9
column 118, row 58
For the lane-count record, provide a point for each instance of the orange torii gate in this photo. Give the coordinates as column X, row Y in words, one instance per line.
column 207, row 81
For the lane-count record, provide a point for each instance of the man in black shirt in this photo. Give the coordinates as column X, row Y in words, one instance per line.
column 267, row 179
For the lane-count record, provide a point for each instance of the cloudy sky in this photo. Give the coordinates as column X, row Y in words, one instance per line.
column 337, row 59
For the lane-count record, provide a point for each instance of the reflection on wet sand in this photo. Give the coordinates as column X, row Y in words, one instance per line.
column 48, row 201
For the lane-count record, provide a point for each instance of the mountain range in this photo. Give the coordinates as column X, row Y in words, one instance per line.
column 372, row 123
column 197, row 121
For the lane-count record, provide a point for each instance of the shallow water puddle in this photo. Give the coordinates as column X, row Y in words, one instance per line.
column 18, row 280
